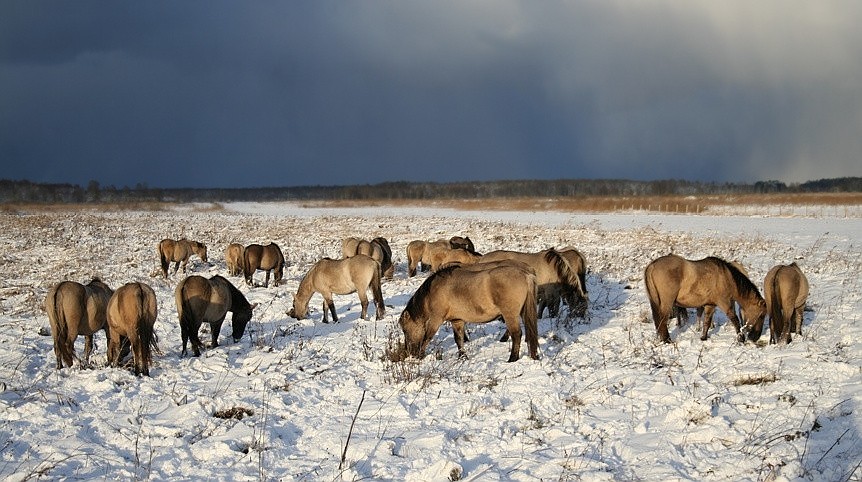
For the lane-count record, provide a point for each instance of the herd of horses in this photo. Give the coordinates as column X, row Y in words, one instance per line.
column 464, row 287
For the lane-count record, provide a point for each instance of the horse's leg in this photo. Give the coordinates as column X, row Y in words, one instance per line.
column 136, row 350
column 459, row 332
column 266, row 282
column 704, row 315
column 176, row 267
column 331, row 305
column 363, row 302
column 660, row 319
column 513, row 326
column 88, row 349
column 798, row 315
column 727, row 306
column 215, row 327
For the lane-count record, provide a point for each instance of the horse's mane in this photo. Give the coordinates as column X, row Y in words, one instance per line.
column 555, row 259
column 415, row 304
column 743, row 284
column 235, row 294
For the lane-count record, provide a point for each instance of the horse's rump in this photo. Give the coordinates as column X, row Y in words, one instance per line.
column 132, row 312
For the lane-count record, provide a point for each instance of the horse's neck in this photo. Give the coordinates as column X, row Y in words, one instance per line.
column 304, row 291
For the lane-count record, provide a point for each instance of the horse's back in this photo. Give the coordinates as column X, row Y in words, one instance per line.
column 130, row 304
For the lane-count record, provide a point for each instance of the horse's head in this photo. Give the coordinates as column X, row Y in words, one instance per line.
column 414, row 334
column 298, row 311
column 240, row 319
column 753, row 314
column 202, row 251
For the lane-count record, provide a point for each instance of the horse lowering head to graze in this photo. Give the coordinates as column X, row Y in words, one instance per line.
column 179, row 251
column 233, row 259
column 349, row 246
column 468, row 295
column 200, row 300
column 785, row 290
column 442, row 256
column 705, row 313
column 268, row 258
column 387, row 267
column 132, row 314
column 554, row 274
column 75, row 309
column 341, row 277
column 419, row 252
column 552, row 297
column 377, row 249
column 711, row 282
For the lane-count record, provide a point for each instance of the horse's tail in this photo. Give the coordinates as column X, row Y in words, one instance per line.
column 146, row 329
column 163, row 259
column 776, row 313
column 530, row 315
column 377, row 291
column 652, row 293
column 59, row 327
column 184, row 310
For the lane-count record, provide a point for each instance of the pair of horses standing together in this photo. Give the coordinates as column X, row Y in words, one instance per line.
column 239, row 260
column 127, row 316
column 673, row 282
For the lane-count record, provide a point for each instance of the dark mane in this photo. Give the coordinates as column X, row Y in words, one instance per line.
column 414, row 306
column 743, row 284
column 555, row 259
column 237, row 299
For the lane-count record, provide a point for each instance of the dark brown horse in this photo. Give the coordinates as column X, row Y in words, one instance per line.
column 341, row 277
column 711, row 282
column 179, row 251
column 132, row 314
column 200, row 300
column 463, row 295
column 233, row 259
column 75, row 309
column 785, row 290
column 268, row 258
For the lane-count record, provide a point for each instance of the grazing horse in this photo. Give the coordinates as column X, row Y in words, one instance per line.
column 553, row 295
column 785, row 290
column 377, row 249
column 555, row 276
column 268, row 258
column 711, row 282
column 75, row 309
column 441, row 256
column 341, row 277
column 233, row 259
column 201, row 300
column 179, row 251
column 469, row 295
column 419, row 252
column 704, row 313
column 132, row 314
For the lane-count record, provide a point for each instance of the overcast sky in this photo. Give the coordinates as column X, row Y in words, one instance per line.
column 247, row 94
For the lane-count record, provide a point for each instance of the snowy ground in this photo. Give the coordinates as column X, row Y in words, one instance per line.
column 605, row 402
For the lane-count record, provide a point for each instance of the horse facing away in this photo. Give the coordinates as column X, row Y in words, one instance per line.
column 179, row 251
column 233, row 259
column 341, row 277
column 268, row 258
column 785, row 290
column 200, row 300
column 419, row 252
column 132, row 314
column 469, row 295
column 75, row 309
column 377, row 249
column 711, row 282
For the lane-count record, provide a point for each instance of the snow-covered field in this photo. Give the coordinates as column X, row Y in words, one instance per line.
column 605, row 402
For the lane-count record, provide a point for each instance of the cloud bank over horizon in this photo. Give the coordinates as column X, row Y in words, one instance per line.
column 275, row 94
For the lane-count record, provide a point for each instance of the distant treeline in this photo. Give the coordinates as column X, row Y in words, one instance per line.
column 30, row 192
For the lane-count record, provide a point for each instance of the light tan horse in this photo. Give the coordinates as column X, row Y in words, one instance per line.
column 705, row 313
column 785, row 290
column 441, row 256
column 419, row 252
column 554, row 275
column 711, row 282
column 268, row 258
column 233, row 259
column 341, row 277
column 377, row 249
column 553, row 295
column 179, row 251
column 461, row 295
column 75, row 309
column 132, row 314
column 200, row 300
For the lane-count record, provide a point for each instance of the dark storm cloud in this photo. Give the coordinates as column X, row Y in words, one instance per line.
column 288, row 93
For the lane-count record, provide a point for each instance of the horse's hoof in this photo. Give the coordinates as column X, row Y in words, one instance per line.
column 513, row 358
column 703, row 337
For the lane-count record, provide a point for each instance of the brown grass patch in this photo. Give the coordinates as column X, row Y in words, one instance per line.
column 236, row 412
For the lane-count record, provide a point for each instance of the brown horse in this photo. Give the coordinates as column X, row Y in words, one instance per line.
column 341, row 277
column 75, row 309
column 554, row 275
column 469, row 295
column 711, row 282
column 552, row 297
column 233, row 259
column 785, row 290
column 179, row 251
column 201, row 300
column 377, row 249
column 419, row 252
column 268, row 258
column 441, row 256
column 132, row 314
column 705, row 313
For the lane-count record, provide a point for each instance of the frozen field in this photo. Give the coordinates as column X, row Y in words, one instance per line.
column 605, row 402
